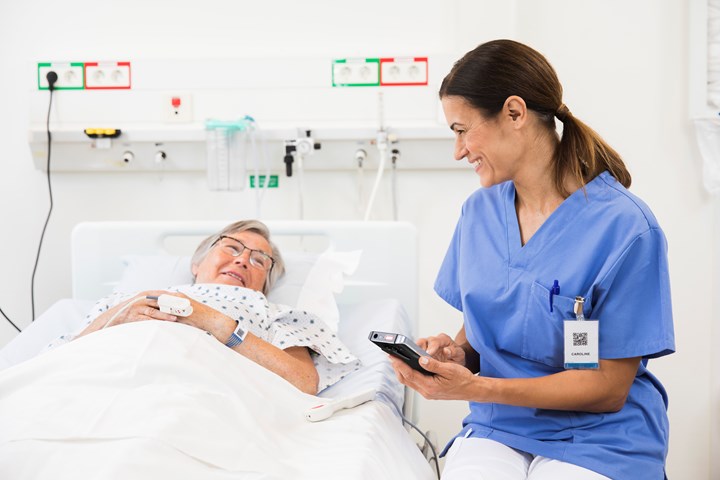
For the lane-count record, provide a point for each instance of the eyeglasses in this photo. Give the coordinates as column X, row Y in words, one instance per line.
column 258, row 258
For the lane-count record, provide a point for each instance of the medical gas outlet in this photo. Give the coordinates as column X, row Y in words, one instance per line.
column 299, row 148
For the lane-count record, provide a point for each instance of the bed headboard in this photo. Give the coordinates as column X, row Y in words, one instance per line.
column 388, row 266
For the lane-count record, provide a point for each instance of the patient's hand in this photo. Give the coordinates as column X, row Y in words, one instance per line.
column 208, row 319
column 136, row 309
column 443, row 348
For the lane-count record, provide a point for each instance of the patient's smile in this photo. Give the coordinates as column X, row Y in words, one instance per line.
column 236, row 277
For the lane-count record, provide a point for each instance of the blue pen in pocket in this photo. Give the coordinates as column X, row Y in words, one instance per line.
column 554, row 290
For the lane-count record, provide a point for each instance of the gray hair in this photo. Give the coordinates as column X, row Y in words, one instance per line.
column 254, row 226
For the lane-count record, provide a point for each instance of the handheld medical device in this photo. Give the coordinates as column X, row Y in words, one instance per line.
column 174, row 305
column 325, row 410
column 400, row 346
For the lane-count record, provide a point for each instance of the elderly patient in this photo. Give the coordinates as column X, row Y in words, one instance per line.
column 233, row 269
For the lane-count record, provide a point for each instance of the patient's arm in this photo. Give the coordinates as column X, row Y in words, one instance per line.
column 294, row 364
column 135, row 309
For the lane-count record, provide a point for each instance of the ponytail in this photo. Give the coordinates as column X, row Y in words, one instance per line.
column 582, row 154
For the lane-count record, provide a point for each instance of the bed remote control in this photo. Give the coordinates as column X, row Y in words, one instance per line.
column 325, row 410
column 174, row 305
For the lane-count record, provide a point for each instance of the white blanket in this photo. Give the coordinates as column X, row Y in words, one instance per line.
column 156, row 400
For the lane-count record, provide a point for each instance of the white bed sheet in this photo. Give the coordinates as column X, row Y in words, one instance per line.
column 64, row 316
column 68, row 316
column 154, row 400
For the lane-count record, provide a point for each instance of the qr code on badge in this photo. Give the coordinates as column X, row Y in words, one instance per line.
column 580, row 339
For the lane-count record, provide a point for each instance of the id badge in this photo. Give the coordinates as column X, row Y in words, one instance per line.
column 582, row 340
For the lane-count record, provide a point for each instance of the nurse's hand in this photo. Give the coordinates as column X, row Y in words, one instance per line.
column 449, row 382
column 443, row 348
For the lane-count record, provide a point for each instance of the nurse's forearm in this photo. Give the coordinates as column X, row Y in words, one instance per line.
column 602, row 390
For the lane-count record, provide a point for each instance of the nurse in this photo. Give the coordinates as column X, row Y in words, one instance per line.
column 562, row 277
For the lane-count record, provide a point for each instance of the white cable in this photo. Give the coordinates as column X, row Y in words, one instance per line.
column 360, row 156
column 360, row 192
column 394, row 158
column 382, row 149
column 125, row 307
column 300, row 183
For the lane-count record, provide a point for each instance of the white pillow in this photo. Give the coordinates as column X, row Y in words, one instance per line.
column 309, row 283
column 152, row 272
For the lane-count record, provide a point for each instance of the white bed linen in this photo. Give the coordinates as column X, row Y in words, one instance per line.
column 64, row 316
column 164, row 400
column 68, row 316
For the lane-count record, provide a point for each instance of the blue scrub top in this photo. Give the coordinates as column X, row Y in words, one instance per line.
column 603, row 244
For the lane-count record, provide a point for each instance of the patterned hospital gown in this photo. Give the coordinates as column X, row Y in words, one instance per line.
column 279, row 325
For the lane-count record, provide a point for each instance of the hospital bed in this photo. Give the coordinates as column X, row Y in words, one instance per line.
column 248, row 424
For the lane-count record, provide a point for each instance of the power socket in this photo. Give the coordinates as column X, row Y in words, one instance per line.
column 71, row 76
column 356, row 72
column 107, row 75
column 404, row 71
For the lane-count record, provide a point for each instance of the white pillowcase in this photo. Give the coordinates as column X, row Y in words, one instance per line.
column 310, row 281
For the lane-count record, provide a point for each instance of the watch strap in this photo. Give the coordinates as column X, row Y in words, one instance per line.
column 236, row 337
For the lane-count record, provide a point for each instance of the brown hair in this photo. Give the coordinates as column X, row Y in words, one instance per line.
column 255, row 226
column 486, row 76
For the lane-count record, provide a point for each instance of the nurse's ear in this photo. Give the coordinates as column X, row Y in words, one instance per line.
column 515, row 110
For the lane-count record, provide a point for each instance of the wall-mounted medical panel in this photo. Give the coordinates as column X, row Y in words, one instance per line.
column 166, row 108
column 185, row 149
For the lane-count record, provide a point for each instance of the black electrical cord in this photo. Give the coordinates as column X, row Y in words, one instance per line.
column 428, row 442
column 51, row 78
column 8, row 319
column 409, row 423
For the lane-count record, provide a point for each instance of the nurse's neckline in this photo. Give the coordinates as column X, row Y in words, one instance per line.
column 530, row 220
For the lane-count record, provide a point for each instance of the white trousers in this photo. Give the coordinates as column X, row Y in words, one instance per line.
column 484, row 459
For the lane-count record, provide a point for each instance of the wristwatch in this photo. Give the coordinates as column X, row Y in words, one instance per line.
column 236, row 337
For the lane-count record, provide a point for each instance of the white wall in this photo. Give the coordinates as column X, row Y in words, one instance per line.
column 623, row 65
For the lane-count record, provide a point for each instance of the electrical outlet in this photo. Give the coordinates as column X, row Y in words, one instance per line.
column 178, row 108
column 404, row 71
column 71, row 76
column 107, row 75
column 356, row 72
